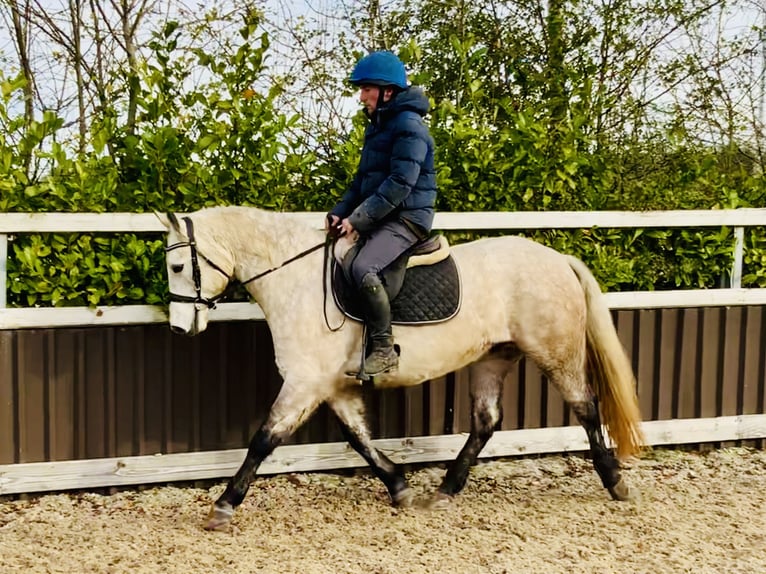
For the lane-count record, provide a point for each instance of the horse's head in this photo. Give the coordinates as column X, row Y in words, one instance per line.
column 195, row 281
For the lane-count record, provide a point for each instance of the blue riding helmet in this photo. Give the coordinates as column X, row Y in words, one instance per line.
column 379, row 69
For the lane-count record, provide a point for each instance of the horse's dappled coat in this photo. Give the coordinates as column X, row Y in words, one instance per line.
column 519, row 297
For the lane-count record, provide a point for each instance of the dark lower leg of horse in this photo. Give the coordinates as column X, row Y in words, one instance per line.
column 287, row 413
column 486, row 415
column 351, row 415
column 382, row 467
column 262, row 445
column 457, row 473
column 604, row 461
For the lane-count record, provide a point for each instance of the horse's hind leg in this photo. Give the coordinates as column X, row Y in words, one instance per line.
column 604, row 461
column 292, row 407
column 584, row 404
column 486, row 414
column 350, row 410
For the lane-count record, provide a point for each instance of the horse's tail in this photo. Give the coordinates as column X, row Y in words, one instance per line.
column 610, row 369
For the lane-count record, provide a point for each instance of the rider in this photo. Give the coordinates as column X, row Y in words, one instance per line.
column 391, row 200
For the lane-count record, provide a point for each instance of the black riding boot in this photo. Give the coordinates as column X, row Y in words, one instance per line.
column 377, row 313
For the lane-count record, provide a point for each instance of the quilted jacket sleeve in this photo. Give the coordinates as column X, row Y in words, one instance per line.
column 350, row 199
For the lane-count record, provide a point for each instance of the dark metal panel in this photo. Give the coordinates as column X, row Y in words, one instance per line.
column 8, row 398
column 414, row 423
column 665, row 396
column 128, row 375
column 511, row 400
column 156, row 353
column 62, row 375
column 711, row 333
column 519, row 400
column 241, row 347
column 685, row 397
column 390, row 422
column 733, row 367
column 449, row 403
column 623, row 322
column 437, row 405
column 626, row 324
column 32, row 397
column 646, row 364
column 110, row 401
column 753, row 348
column 253, row 371
column 533, row 395
column 214, row 373
column 96, row 389
column 80, row 401
column 185, row 354
column 762, row 369
column 93, row 392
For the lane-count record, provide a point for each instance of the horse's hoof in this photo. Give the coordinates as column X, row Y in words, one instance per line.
column 439, row 501
column 624, row 492
column 219, row 517
column 404, row 498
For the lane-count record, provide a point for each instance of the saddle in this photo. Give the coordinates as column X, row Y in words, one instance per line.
column 429, row 292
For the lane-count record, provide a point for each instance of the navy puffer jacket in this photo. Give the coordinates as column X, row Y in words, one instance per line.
column 396, row 176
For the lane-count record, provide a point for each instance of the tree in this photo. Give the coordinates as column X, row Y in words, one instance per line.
column 21, row 39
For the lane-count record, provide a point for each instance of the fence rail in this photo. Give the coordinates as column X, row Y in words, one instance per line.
column 739, row 219
column 148, row 222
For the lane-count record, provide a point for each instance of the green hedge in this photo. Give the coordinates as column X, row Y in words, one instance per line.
column 224, row 143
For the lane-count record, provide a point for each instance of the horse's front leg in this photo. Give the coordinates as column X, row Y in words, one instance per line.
column 293, row 406
column 350, row 410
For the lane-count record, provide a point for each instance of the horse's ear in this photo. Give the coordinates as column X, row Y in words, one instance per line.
column 163, row 219
column 169, row 220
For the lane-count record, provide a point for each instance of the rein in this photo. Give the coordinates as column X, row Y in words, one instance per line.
column 303, row 253
column 233, row 283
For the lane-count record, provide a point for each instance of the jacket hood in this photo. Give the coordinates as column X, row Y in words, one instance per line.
column 412, row 99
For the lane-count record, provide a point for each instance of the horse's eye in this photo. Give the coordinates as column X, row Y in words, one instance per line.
column 177, row 268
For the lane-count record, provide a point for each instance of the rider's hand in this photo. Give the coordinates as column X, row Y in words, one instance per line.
column 332, row 225
column 346, row 228
column 331, row 221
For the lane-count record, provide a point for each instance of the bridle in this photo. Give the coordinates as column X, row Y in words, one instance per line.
column 200, row 302
column 196, row 275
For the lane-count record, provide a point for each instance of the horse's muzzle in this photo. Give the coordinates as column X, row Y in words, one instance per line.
column 180, row 331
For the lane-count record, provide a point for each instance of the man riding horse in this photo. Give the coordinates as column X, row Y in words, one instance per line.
column 391, row 200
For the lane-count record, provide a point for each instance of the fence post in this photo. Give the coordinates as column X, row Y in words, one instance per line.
column 739, row 249
column 3, row 268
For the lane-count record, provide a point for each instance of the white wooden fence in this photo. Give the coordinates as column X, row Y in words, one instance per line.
column 739, row 219
column 32, row 477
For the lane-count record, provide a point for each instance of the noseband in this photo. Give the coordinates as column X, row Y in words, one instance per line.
column 232, row 284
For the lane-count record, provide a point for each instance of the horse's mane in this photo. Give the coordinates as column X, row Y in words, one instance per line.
column 242, row 229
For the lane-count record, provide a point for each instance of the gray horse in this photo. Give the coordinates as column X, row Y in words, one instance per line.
column 519, row 298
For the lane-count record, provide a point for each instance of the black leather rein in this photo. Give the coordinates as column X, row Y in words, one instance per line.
column 233, row 283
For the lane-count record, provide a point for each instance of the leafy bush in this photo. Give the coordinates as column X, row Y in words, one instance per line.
column 75, row 269
column 225, row 141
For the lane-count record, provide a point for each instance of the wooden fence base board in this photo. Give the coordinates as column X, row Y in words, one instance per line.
column 126, row 471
